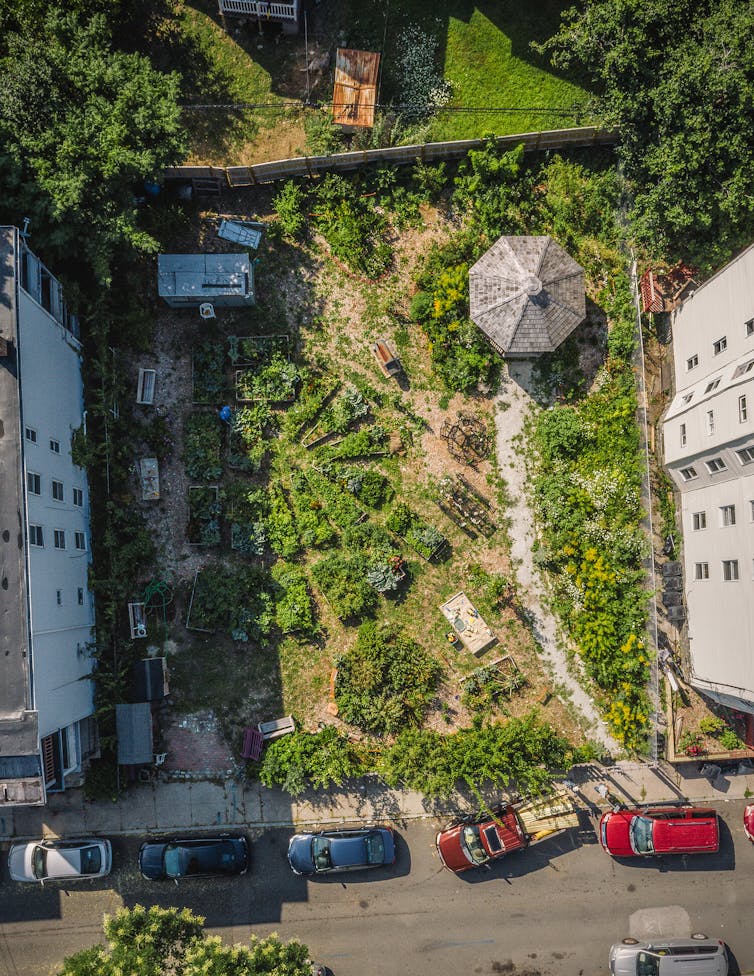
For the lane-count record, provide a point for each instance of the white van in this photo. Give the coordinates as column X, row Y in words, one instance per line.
column 697, row 956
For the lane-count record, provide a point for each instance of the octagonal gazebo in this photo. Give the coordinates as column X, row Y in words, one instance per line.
column 527, row 295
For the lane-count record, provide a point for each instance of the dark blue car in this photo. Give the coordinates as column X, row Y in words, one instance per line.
column 194, row 857
column 341, row 850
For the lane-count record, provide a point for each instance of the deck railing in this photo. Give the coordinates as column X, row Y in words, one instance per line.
column 260, row 8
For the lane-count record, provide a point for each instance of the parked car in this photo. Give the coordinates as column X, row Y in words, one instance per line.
column 60, row 860
column 470, row 843
column 194, row 857
column 660, row 830
column 341, row 850
column 749, row 821
column 660, row 957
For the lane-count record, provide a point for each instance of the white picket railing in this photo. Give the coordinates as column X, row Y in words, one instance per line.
column 260, row 8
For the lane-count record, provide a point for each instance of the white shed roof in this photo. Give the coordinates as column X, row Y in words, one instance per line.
column 203, row 276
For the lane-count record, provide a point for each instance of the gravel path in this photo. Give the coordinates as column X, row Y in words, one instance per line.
column 516, row 381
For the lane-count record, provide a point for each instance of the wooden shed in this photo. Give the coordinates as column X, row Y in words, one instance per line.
column 355, row 91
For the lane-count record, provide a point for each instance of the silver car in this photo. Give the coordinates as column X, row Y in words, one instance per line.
column 662, row 957
column 60, row 860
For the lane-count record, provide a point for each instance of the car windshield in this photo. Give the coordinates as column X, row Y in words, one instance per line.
column 172, row 861
column 375, row 849
column 321, row 853
column 640, row 833
column 472, row 845
column 647, row 964
column 39, row 862
column 91, row 860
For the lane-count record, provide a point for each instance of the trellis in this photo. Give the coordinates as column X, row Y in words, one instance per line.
column 466, row 507
column 467, row 439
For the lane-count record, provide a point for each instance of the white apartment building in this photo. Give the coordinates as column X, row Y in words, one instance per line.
column 47, row 611
column 708, row 438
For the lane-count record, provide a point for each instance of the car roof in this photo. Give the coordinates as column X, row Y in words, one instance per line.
column 348, row 850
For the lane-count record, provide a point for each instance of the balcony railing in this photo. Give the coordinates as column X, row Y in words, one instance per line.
column 261, row 9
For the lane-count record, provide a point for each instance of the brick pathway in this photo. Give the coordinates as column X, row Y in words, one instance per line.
column 195, row 747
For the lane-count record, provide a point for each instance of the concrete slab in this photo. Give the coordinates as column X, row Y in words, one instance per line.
column 137, row 809
column 210, row 804
column 172, row 805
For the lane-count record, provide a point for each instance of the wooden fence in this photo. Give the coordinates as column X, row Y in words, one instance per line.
column 428, row 152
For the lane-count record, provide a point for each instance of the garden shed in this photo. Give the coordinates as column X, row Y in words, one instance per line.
column 190, row 280
column 133, row 726
column 526, row 295
column 355, row 91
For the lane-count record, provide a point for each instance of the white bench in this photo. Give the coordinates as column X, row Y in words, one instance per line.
column 277, row 727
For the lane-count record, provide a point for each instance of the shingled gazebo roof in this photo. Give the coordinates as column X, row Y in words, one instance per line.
column 527, row 295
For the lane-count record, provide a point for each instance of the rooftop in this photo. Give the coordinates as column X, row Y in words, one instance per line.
column 355, row 91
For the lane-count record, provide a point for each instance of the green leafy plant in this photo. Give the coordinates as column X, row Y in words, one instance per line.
column 274, row 382
column 282, row 532
column 343, row 581
column 208, row 372
column 204, row 516
column 305, row 759
column 427, row 540
column 293, row 605
column 201, row 447
column 289, row 205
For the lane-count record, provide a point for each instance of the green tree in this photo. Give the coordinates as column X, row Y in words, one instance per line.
column 85, row 124
column 156, row 941
column 677, row 76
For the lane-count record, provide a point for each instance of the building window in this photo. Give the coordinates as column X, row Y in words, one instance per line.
column 80, row 540
column 59, row 597
column 720, row 346
column 699, row 520
column 36, row 536
column 730, row 570
column 692, row 361
column 710, row 422
column 687, row 398
column 743, row 368
column 81, row 596
column 688, row 474
column 59, row 538
column 683, row 435
column 33, row 483
column 78, row 497
column 31, row 435
column 712, row 386
column 742, row 411
column 715, row 465
column 727, row 515
column 54, row 446
column 57, row 491
column 749, row 327
column 701, row 571
column 746, row 455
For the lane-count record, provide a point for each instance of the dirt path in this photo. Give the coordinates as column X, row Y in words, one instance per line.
column 509, row 422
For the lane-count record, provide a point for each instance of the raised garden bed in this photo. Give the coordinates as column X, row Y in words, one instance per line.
column 369, row 442
column 275, row 382
column 204, row 515
column 256, row 350
column 248, row 437
column 342, row 412
column 339, row 506
column 463, row 505
column 294, row 613
column 423, row 538
column 201, row 447
column 208, row 373
column 488, row 685
column 700, row 729
column 237, row 599
column 342, row 580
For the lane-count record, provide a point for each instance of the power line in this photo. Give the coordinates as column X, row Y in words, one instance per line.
column 401, row 107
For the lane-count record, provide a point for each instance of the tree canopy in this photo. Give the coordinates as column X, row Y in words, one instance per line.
column 171, row 942
column 82, row 124
column 678, row 77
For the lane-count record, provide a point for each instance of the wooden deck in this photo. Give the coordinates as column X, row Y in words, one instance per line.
column 467, row 624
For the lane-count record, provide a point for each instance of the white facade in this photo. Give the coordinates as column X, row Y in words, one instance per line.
column 59, row 621
column 708, row 437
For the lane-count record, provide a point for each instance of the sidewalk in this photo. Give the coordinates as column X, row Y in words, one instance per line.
column 173, row 807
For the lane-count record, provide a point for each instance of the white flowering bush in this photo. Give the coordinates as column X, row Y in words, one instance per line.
column 421, row 87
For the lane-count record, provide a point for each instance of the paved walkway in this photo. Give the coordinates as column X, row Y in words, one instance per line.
column 174, row 807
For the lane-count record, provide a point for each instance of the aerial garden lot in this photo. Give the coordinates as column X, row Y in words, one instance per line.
column 459, row 55
column 309, row 582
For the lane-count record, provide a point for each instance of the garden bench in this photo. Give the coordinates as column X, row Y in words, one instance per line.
column 277, row 727
column 252, row 744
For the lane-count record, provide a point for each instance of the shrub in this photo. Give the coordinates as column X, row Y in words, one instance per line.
column 282, row 533
column 729, row 740
column 385, row 682
column 305, row 759
column 289, row 203
column 293, row 605
column 343, row 581
column 352, row 227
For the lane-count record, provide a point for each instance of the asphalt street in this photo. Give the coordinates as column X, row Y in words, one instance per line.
column 553, row 910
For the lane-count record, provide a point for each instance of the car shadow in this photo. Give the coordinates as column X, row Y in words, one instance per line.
column 723, row 860
column 521, row 863
column 733, row 967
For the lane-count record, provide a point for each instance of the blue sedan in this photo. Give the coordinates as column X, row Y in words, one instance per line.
column 341, row 850
column 194, row 857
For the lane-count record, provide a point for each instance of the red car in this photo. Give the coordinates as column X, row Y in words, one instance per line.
column 471, row 843
column 659, row 830
column 749, row 821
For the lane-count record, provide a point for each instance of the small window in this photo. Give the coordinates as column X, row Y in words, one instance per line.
column 743, row 413
column 746, row 455
column 727, row 515
column 730, row 570
column 743, row 368
column 692, row 361
column 688, row 474
column 80, row 541
column 699, row 521
column 54, row 446
column 36, row 536
column 712, row 386
column 31, row 435
column 720, row 346
column 688, row 398
column 59, row 597
column 715, row 465
column 33, row 483
column 701, row 571
column 710, row 422
column 81, row 596
column 57, row 491
column 59, row 539
column 749, row 327
column 683, row 435
column 78, row 497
